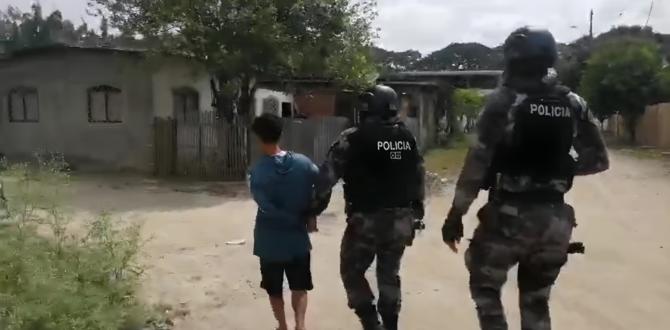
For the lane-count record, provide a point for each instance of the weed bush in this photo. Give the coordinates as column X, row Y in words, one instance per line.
column 52, row 280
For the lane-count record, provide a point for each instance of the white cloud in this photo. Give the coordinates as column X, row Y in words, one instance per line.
column 428, row 25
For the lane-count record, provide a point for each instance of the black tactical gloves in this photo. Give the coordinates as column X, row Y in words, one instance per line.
column 452, row 230
column 418, row 209
column 418, row 212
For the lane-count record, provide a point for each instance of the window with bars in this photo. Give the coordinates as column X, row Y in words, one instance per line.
column 186, row 104
column 23, row 105
column 271, row 105
column 104, row 104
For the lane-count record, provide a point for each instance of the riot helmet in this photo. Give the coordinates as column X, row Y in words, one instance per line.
column 530, row 51
column 382, row 101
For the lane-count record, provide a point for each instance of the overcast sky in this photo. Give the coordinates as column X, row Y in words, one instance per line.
column 429, row 25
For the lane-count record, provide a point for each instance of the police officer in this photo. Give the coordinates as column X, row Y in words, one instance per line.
column 383, row 177
column 534, row 136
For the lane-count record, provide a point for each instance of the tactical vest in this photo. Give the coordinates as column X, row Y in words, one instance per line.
column 382, row 168
column 538, row 146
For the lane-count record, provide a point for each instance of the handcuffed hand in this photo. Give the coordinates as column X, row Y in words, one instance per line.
column 312, row 226
column 452, row 230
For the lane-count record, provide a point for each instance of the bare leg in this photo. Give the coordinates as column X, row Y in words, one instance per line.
column 278, row 309
column 299, row 302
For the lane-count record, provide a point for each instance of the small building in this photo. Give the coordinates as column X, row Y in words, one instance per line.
column 96, row 106
column 125, row 109
column 420, row 108
column 304, row 98
column 317, row 99
column 476, row 79
column 315, row 112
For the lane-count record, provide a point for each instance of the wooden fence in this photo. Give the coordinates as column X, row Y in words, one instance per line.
column 208, row 147
column 310, row 137
column 653, row 128
column 165, row 146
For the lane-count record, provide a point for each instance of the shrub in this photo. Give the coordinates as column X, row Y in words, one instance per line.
column 52, row 280
column 623, row 76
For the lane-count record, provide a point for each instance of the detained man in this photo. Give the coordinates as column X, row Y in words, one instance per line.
column 282, row 184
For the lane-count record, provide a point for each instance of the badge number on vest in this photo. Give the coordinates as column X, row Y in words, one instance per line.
column 395, row 148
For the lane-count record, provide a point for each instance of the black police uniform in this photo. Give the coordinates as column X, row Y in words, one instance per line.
column 533, row 138
column 383, row 178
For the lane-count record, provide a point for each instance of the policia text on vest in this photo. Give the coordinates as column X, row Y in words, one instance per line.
column 558, row 111
column 395, row 148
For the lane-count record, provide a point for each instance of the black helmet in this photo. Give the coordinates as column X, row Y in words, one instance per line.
column 382, row 101
column 531, row 46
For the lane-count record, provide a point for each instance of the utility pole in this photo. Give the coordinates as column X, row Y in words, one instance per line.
column 591, row 25
column 651, row 9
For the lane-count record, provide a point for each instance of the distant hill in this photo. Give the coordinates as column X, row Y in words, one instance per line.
column 475, row 56
column 457, row 56
column 390, row 61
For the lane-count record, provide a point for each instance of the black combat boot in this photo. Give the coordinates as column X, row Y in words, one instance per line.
column 368, row 317
column 389, row 316
column 390, row 321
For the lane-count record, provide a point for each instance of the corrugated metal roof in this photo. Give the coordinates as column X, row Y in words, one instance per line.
column 449, row 73
column 61, row 46
column 409, row 83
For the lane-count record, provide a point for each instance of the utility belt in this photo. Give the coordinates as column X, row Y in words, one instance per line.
column 530, row 197
column 538, row 196
column 359, row 207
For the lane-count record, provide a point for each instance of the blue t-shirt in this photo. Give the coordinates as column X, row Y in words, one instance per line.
column 282, row 187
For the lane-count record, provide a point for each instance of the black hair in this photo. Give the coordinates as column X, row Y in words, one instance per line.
column 268, row 128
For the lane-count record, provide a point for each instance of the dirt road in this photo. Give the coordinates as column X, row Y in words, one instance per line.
column 623, row 282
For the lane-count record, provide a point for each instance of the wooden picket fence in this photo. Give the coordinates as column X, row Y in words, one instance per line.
column 310, row 137
column 206, row 147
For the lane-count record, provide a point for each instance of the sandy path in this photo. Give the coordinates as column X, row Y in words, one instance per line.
column 622, row 283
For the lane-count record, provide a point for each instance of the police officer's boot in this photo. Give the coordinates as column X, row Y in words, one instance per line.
column 390, row 321
column 368, row 317
column 389, row 316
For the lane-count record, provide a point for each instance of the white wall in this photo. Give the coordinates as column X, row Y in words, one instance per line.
column 173, row 73
column 263, row 93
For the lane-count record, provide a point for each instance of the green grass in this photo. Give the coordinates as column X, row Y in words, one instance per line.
column 53, row 280
column 447, row 162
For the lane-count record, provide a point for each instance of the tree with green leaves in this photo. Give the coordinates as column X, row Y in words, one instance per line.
column 573, row 56
column 622, row 76
column 463, row 56
column 664, row 85
column 467, row 103
column 390, row 61
column 20, row 30
column 240, row 41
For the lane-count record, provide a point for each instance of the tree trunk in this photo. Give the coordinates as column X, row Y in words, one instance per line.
column 233, row 98
column 631, row 122
column 245, row 101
